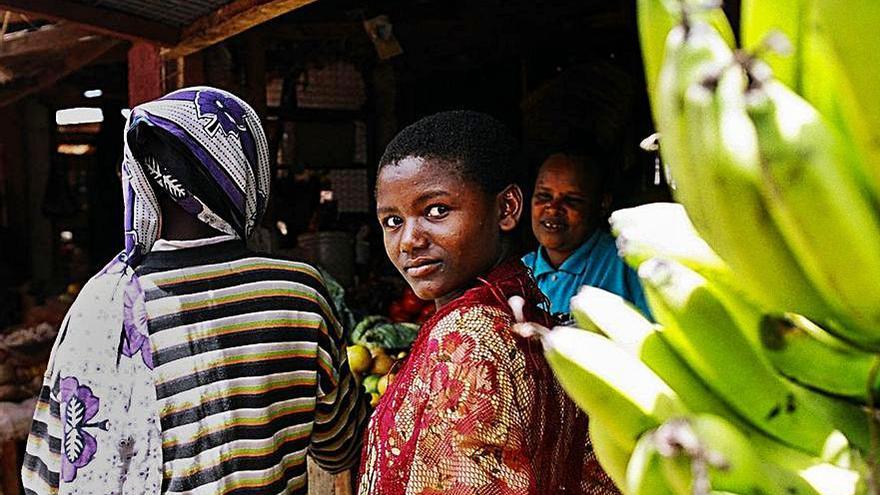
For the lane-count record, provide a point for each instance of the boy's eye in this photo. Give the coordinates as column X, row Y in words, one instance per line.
column 392, row 222
column 574, row 200
column 542, row 197
column 437, row 211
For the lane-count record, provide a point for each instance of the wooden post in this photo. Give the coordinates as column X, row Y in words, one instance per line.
column 194, row 69
column 9, row 472
column 344, row 484
column 144, row 73
column 38, row 153
column 256, row 72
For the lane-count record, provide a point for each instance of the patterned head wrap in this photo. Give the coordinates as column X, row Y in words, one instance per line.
column 96, row 426
column 206, row 149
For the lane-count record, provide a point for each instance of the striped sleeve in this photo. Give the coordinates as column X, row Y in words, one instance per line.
column 42, row 459
column 341, row 414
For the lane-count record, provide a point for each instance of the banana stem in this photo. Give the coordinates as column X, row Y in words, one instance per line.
column 676, row 437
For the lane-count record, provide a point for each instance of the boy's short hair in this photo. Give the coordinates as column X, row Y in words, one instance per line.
column 479, row 147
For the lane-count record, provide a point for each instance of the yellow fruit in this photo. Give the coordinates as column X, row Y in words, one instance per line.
column 374, row 400
column 401, row 354
column 382, row 364
column 371, row 383
column 375, row 351
column 359, row 359
column 384, row 382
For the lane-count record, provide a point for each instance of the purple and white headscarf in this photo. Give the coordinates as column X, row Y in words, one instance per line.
column 224, row 136
column 96, row 427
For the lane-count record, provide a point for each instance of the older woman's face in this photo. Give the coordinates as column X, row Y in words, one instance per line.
column 440, row 231
column 566, row 207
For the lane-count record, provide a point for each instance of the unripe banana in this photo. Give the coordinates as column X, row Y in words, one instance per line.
column 612, row 386
column 664, row 229
column 723, row 141
column 701, row 330
column 613, row 316
column 827, row 87
column 838, row 369
column 760, row 19
column 612, row 457
column 693, row 52
column 850, row 28
column 825, row 478
column 830, row 225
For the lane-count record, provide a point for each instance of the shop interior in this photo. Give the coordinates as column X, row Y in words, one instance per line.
column 333, row 81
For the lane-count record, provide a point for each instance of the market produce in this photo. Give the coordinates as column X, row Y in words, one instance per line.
column 408, row 307
column 371, row 383
column 377, row 346
column 359, row 358
column 819, row 206
column 614, row 317
column 762, row 372
column 380, row 331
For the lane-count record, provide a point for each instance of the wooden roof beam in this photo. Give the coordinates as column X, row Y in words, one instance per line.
column 75, row 60
column 227, row 21
column 48, row 38
column 104, row 21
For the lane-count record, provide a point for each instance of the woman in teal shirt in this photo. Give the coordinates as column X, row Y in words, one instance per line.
column 568, row 210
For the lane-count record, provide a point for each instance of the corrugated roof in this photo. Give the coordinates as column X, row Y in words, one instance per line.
column 177, row 13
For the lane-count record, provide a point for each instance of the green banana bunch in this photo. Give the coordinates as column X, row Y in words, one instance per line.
column 612, row 386
column 725, row 144
column 807, row 354
column 693, row 52
column 612, row 457
column 830, row 225
column 702, row 330
column 849, row 30
column 611, row 315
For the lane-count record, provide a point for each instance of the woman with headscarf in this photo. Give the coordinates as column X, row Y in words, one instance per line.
column 190, row 364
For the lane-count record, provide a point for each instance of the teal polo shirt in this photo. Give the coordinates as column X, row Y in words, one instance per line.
column 594, row 263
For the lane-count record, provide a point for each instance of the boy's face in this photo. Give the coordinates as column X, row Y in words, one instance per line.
column 566, row 206
column 440, row 231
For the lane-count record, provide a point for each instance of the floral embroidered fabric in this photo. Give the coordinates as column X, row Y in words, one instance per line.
column 476, row 410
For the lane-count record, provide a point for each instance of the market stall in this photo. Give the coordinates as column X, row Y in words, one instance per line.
column 333, row 82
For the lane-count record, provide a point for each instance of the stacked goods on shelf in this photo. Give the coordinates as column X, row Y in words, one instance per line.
column 761, row 374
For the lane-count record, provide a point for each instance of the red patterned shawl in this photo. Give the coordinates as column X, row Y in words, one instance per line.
column 476, row 410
